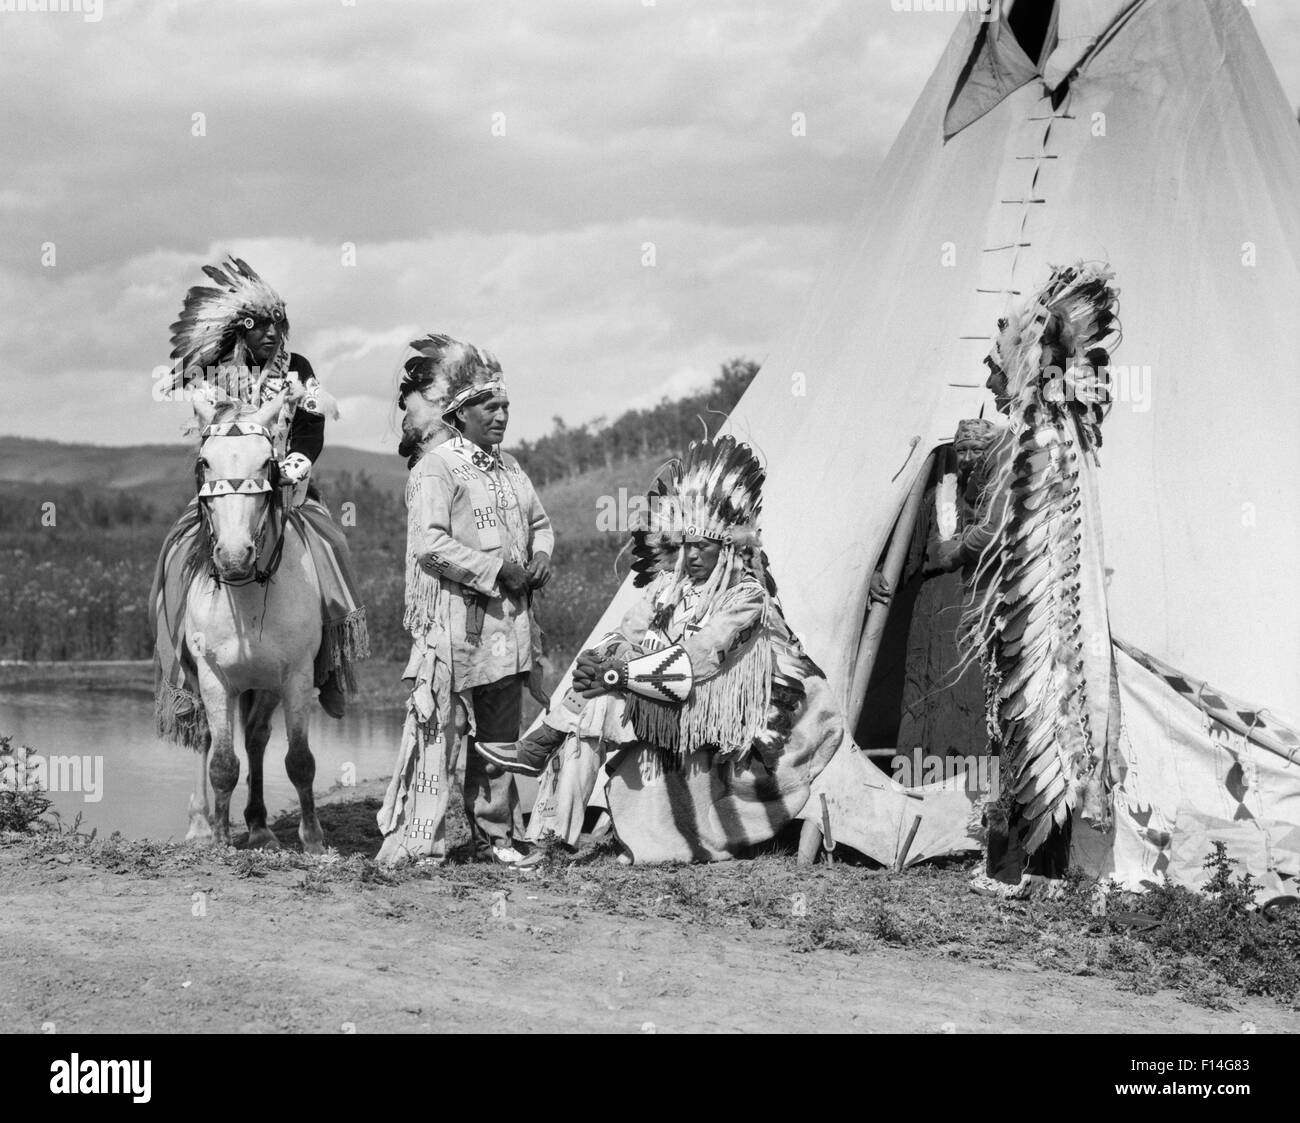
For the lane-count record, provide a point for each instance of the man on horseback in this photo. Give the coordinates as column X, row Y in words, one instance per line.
column 230, row 353
column 478, row 544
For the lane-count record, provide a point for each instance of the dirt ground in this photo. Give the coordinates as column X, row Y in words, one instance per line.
column 123, row 937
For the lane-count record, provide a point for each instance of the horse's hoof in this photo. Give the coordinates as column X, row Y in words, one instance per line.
column 311, row 837
column 260, row 838
column 199, row 834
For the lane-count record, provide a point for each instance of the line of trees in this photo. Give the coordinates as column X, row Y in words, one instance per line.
column 27, row 506
column 76, row 585
column 665, row 428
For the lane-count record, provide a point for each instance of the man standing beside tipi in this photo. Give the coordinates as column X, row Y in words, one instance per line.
column 1036, row 614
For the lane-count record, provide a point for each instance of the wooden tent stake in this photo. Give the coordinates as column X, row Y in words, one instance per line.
column 901, row 860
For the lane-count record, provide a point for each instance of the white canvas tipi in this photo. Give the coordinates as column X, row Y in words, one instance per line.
column 1152, row 135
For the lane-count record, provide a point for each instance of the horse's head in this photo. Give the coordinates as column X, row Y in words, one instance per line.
column 237, row 480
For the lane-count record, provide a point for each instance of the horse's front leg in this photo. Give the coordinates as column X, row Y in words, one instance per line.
column 256, row 708
column 223, row 764
column 200, row 808
column 299, row 699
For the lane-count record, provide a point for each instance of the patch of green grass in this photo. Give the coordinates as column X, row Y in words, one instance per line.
column 315, row 880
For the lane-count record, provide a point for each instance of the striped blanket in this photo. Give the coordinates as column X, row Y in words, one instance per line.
column 704, row 807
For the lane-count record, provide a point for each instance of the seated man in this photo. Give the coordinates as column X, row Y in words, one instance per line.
column 724, row 718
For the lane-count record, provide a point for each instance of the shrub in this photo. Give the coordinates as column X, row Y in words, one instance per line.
column 1221, row 927
column 22, row 802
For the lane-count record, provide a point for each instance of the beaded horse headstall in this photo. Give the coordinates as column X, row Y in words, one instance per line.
column 209, row 490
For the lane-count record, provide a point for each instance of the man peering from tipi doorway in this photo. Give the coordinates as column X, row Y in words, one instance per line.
column 941, row 704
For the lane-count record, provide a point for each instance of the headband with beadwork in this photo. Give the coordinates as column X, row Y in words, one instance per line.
column 235, row 429
column 481, row 390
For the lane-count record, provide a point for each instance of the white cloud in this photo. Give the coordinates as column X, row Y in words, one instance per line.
column 371, row 124
column 580, row 324
column 366, row 422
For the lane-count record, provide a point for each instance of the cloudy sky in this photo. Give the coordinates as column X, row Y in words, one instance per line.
column 498, row 165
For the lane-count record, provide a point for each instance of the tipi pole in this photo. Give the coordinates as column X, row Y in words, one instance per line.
column 892, row 570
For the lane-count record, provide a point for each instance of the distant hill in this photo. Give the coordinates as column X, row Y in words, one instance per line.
column 161, row 474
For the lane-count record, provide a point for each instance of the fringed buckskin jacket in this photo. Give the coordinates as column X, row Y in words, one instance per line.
column 469, row 512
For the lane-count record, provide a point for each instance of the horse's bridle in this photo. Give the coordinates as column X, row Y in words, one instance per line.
column 249, row 485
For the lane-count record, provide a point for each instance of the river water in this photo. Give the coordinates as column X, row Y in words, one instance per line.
column 134, row 783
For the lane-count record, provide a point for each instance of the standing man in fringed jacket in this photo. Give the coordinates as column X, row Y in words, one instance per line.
column 478, row 545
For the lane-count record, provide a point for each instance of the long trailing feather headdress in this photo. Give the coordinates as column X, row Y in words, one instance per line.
column 1037, row 616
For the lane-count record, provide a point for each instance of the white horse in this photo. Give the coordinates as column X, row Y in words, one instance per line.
column 253, row 624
